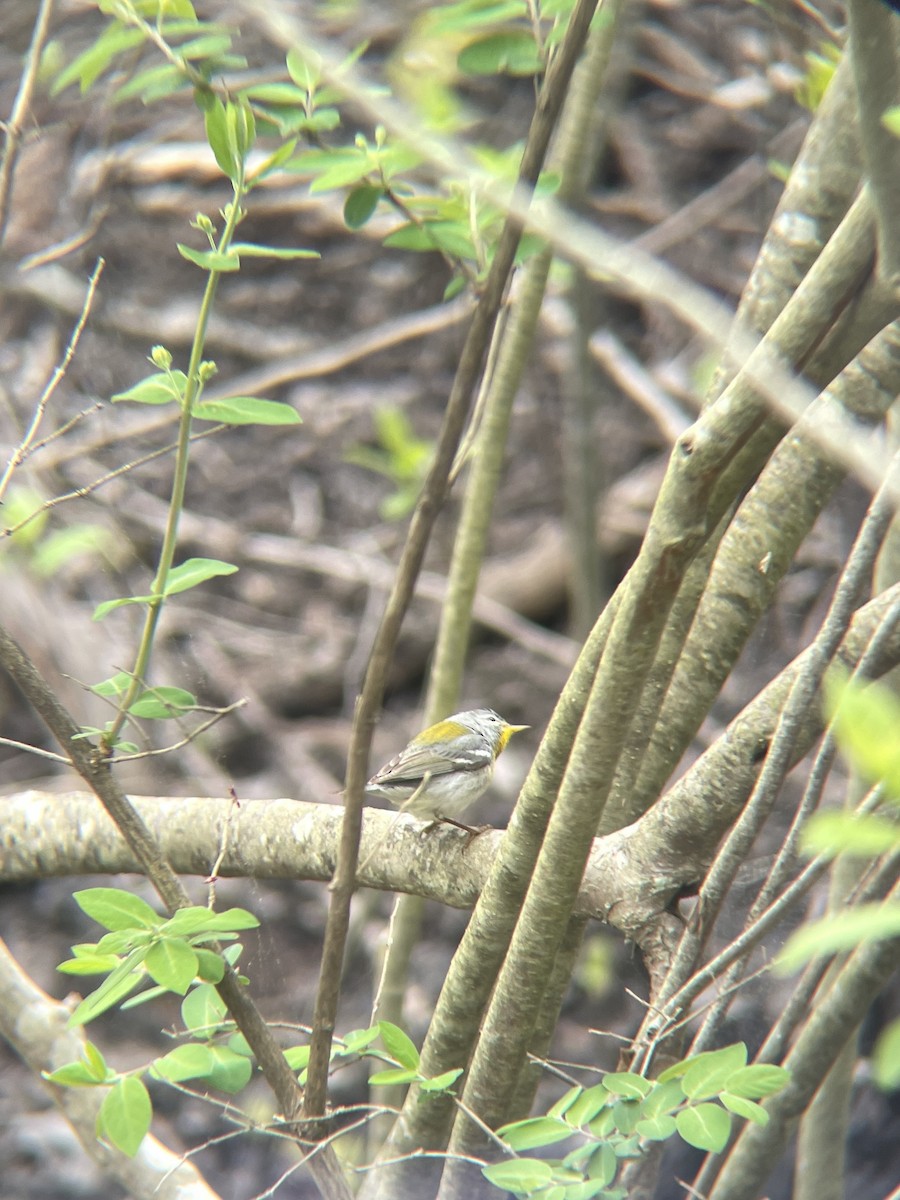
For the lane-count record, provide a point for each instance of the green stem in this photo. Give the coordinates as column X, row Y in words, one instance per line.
column 179, row 482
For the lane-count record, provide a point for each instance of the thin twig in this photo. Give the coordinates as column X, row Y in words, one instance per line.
column 21, row 105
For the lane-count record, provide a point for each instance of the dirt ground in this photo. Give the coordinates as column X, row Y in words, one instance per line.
column 707, row 103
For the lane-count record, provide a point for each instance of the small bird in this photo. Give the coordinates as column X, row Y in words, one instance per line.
column 446, row 767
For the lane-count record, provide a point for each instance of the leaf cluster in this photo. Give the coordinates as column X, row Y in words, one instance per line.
column 614, row 1120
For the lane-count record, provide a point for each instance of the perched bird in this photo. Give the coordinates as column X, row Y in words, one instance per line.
column 446, row 767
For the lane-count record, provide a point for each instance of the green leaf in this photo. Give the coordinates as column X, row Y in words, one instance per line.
column 152, row 84
column 398, row 1045
column 867, row 725
column 125, row 1115
column 217, row 136
column 163, row 703
column 273, row 162
column 284, row 253
column 246, row 410
column 116, row 910
column 510, row 53
column 277, row 93
column 742, row 1107
column 591, row 1102
column 886, row 1057
column 89, row 964
column 657, row 1129
column 203, row 1011
column 627, row 1085
column 304, row 69
column 194, row 571
column 565, row 1102
column 118, row 984
column 184, row 1062
column 230, row 1072
column 842, row 931
column 626, row 1114
column 162, row 388
column 209, row 45
column 116, row 685
column 231, row 920
column 452, row 236
column 705, row 1127
column 519, row 1174
column 863, row 834
column 187, row 921
column 584, row 1191
column 603, row 1164
column 87, row 68
column 109, row 605
column 210, row 260
column 757, row 1080
column 890, row 119
column 358, row 1040
column 663, row 1099
column 709, row 1073
column 393, row 1075
column 210, row 966
column 360, row 204
column 172, row 963
column 297, row 1057
column 75, row 1074
column 534, row 1132
column 440, row 1083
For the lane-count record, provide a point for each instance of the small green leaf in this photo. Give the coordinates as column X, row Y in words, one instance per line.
column 172, row 963
column 890, row 119
column 230, row 1072
column 440, row 1083
column 116, row 685
column 886, row 1057
column 152, row 84
column 398, row 1045
column 210, row 966
column 203, row 1011
column 748, row 1109
column 297, row 1057
column 184, row 1062
column 705, row 1127
column 210, row 260
column 217, row 136
column 393, row 1075
column 663, row 1099
column 867, row 724
column 627, row 1085
column 758, row 1080
column 246, row 410
column 109, row 606
column 231, row 920
column 512, row 53
column 284, row 253
column 90, row 65
column 709, row 1073
column 125, row 1115
column 626, row 1114
column 194, row 571
column 358, row 1040
column 519, row 1174
column 163, row 703
column 90, row 964
column 162, row 388
column 656, row 1129
column 360, row 204
column 116, row 910
column 863, row 834
column 591, row 1102
column 534, row 1132
column 118, row 984
column 603, row 1164
column 842, row 931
